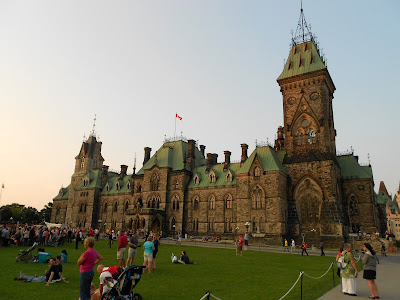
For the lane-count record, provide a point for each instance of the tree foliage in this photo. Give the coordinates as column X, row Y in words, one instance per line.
column 13, row 213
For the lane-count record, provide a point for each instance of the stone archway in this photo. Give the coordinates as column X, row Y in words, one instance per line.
column 156, row 225
column 309, row 197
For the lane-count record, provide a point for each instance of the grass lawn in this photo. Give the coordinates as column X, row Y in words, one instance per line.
column 255, row 275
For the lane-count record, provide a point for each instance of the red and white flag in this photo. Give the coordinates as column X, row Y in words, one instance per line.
column 2, row 186
column 178, row 117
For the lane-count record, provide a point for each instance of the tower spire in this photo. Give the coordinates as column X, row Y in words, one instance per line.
column 303, row 31
column 93, row 133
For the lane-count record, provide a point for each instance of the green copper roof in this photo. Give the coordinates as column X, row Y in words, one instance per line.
column 172, row 155
column 112, row 185
column 351, row 169
column 220, row 174
column 269, row 160
column 94, row 180
column 303, row 58
column 63, row 194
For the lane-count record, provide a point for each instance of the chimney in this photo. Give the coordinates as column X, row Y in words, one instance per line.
column 244, row 153
column 209, row 164
column 104, row 175
column 203, row 149
column 227, row 159
column 124, row 168
column 191, row 159
column 147, row 152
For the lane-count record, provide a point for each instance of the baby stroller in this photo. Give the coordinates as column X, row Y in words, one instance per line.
column 123, row 288
column 26, row 255
column 56, row 241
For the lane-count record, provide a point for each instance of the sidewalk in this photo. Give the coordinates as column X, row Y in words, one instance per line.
column 387, row 275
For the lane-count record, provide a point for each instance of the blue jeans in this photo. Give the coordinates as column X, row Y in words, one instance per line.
column 84, row 284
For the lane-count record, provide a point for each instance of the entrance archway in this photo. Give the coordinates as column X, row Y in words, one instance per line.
column 156, row 225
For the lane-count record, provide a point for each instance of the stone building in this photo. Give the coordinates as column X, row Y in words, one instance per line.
column 297, row 186
column 392, row 209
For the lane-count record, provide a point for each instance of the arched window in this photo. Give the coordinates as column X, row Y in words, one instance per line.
column 311, row 136
column 254, row 225
column 229, row 177
column 300, row 137
column 85, row 207
column 153, row 203
column 353, row 206
column 82, row 162
column 257, row 172
column 175, row 202
column 173, row 224
column 228, row 201
column 158, row 202
column 105, row 208
column 128, row 185
column 149, row 203
column 126, row 205
column 212, row 202
column 196, row 203
column 116, row 206
column 212, row 177
column 81, row 207
column 176, row 185
column 117, row 186
column 107, row 187
column 257, row 198
column 154, row 182
column 139, row 189
column 196, row 179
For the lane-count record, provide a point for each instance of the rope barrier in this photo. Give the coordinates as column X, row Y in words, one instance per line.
column 321, row 275
column 208, row 294
column 301, row 274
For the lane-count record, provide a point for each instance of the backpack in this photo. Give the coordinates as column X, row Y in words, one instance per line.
column 341, row 261
column 115, row 271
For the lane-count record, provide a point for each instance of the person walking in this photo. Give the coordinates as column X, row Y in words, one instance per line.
column 292, row 246
column 246, row 240
column 156, row 243
column 349, row 271
column 86, row 262
column 369, row 261
column 286, row 248
column 304, row 248
column 321, row 245
column 122, row 243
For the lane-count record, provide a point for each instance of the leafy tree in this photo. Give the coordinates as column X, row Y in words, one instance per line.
column 45, row 213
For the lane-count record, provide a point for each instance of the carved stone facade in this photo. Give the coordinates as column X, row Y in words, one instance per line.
column 300, row 186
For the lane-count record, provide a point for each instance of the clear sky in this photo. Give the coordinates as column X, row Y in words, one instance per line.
column 136, row 63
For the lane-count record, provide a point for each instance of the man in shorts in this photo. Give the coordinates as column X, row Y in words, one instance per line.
column 133, row 245
column 122, row 243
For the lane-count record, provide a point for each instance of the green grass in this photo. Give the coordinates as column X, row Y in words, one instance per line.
column 255, row 275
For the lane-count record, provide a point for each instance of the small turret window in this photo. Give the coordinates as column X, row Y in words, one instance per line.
column 128, row 185
column 196, row 179
column 212, row 177
column 257, row 172
column 117, row 186
column 107, row 188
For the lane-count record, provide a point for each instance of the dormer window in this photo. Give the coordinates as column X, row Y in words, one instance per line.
column 290, row 66
column 196, row 179
column 128, row 185
column 86, row 181
column 117, row 186
column 213, row 178
column 229, row 176
column 107, row 187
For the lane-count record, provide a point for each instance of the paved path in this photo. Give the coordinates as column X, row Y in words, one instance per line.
column 388, row 283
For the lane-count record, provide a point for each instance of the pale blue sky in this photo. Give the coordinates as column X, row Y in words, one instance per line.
column 136, row 63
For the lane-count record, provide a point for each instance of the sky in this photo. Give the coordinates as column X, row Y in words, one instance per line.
column 135, row 64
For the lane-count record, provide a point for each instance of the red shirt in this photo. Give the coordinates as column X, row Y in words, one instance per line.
column 240, row 242
column 123, row 241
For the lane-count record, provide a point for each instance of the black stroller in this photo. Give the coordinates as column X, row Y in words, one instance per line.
column 26, row 255
column 56, row 241
column 126, row 282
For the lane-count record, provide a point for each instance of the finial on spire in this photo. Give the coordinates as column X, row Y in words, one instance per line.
column 134, row 164
column 303, row 31
column 84, row 137
column 94, row 126
column 369, row 160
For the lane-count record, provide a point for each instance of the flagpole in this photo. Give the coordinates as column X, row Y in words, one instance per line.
column 1, row 191
column 175, row 126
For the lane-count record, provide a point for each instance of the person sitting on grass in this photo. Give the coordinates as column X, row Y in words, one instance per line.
column 184, row 259
column 51, row 276
column 64, row 256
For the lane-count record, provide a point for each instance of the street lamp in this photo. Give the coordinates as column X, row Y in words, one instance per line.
column 247, row 224
column 313, row 231
column 12, row 220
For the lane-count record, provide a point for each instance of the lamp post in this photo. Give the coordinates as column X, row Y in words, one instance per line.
column 12, row 220
column 247, row 224
column 313, row 231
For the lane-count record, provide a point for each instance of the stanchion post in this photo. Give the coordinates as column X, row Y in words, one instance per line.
column 301, row 286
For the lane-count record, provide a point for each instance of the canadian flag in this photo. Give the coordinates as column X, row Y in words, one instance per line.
column 179, row 117
column 2, row 186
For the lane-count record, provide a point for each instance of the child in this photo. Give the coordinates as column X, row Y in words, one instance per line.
column 64, row 256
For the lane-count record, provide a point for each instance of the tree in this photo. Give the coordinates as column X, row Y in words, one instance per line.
column 45, row 213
